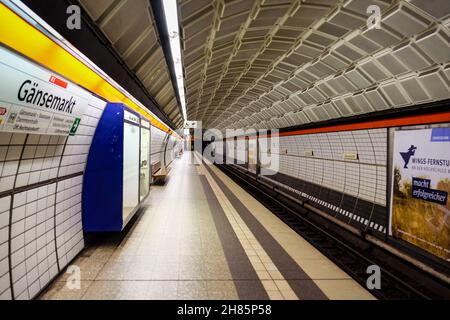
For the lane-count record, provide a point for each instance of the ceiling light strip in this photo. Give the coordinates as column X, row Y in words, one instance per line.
column 171, row 17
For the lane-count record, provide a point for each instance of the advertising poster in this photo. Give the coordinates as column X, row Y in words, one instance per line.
column 420, row 211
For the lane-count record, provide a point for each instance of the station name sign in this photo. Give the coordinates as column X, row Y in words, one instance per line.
column 31, row 94
column 33, row 100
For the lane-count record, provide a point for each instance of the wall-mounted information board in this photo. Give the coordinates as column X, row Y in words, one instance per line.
column 33, row 100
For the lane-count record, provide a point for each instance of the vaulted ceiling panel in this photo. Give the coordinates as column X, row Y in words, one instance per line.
column 136, row 41
column 280, row 63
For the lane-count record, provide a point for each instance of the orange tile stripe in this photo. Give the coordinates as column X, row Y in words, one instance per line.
column 441, row 117
column 389, row 123
column 19, row 35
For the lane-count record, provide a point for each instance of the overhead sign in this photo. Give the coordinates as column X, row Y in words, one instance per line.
column 191, row 125
column 131, row 117
column 420, row 210
column 33, row 100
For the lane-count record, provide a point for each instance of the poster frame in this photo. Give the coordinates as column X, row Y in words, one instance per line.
column 390, row 189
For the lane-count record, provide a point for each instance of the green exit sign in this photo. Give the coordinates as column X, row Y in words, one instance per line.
column 75, row 126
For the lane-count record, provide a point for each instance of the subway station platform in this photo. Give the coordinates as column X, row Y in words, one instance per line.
column 201, row 236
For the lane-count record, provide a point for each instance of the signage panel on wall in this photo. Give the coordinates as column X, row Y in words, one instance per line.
column 191, row 125
column 131, row 117
column 145, row 123
column 33, row 100
column 420, row 211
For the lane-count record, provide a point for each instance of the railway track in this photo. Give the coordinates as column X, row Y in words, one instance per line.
column 399, row 280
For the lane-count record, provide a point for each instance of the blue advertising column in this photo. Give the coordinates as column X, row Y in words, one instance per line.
column 103, row 183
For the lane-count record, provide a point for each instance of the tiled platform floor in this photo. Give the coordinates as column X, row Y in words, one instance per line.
column 203, row 237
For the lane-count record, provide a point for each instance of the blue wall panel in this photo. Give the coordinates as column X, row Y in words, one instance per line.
column 103, row 182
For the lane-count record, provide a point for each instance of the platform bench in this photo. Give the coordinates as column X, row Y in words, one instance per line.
column 159, row 176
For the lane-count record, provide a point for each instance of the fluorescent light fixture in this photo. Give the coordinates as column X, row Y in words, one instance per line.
column 171, row 15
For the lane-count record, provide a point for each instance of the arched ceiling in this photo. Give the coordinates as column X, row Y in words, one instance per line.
column 130, row 27
column 280, row 63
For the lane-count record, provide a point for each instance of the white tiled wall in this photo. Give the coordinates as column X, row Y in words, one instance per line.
column 172, row 148
column 40, row 160
column 77, row 147
column 33, row 251
column 157, row 144
column 39, row 251
column 364, row 178
column 230, row 149
column 69, row 228
column 5, row 292
column 241, row 151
